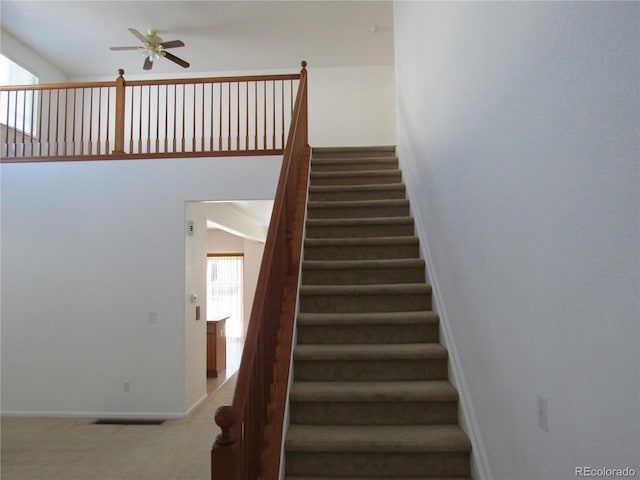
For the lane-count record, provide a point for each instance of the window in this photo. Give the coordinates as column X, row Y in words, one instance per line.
column 17, row 109
column 224, row 291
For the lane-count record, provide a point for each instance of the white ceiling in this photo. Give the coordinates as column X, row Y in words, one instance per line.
column 220, row 36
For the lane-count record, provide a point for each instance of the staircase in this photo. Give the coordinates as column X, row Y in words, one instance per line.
column 370, row 397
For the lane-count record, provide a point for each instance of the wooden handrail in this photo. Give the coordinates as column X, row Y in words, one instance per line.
column 249, row 444
column 188, row 117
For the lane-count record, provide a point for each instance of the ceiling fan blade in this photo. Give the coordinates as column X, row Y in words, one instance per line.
column 141, row 37
column 172, row 44
column 124, row 48
column 147, row 64
column 175, row 59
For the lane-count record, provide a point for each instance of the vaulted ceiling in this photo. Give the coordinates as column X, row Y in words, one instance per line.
column 219, row 35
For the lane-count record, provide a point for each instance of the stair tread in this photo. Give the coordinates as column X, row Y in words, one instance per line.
column 395, row 202
column 368, row 351
column 371, row 289
column 374, row 263
column 359, row 221
column 356, row 160
column 377, row 438
column 382, row 391
column 354, row 149
column 299, row 477
column 355, row 173
column 371, row 241
column 369, row 318
column 352, row 188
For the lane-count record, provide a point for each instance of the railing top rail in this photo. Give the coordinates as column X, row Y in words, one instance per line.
column 247, row 78
column 56, row 86
column 168, row 81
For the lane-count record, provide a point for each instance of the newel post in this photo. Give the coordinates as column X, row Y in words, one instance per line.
column 224, row 464
column 120, row 102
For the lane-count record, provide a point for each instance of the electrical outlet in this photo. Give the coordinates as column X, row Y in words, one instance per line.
column 543, row 418
column 127, row 387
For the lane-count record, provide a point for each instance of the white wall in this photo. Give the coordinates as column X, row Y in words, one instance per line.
column 88, row 251
column 517, row 126
column 17, row 51
column 195, row 343
column 351, row 106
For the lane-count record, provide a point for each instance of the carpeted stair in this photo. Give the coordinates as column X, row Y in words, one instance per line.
column 370, row 397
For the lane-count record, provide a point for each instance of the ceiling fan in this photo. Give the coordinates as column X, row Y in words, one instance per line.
column 153, row 48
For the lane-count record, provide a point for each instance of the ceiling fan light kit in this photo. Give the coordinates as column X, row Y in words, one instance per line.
column 153, row 48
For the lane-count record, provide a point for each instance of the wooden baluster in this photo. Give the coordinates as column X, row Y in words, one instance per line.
column 246, row 115
column 238, row 115
column 282, row 114
column 166, row 118
column 149, row 119
column 175, row 115
column 108, row 121
column 229, row 118
column 202, row 131
column 211, row 143
column 264, row 125
column 157, row 118
column 184, row 103
column 91, row 122
column 193, row 142
column 48, row 123
column 255, row 107
column 120, row 106
column 131, row 123
column 24, row 109
column 31, row 127
column 140, row 121
column 98, row 149
column 220, row 148
column 273, row 145
column 66, row 103
column 6, row 139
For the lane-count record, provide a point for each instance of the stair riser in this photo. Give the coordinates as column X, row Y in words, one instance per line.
column 370, row 370
column 377, row 464
column 364, row 179
column 374, row 413
column 359, row 231
column 361, row 252
column 358, row 212
column 363, row 334
column 362, row 276
column 353, row 195
column 318, row 165
column 334, row 153
column 328, row 303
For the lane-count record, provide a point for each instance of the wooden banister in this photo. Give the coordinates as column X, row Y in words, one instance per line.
column 188, row 117
column 249, row 444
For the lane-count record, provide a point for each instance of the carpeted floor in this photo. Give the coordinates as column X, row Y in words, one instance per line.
column 36, row 448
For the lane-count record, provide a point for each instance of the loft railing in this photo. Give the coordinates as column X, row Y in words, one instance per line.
column 249, row 445
column 200, row 117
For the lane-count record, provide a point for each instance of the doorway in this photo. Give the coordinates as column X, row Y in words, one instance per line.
column 225, row 299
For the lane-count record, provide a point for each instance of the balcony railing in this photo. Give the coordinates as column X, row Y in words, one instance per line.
column 198, row 117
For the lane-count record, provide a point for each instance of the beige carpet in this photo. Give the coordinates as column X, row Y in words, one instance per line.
column 371, row 397
column 36, row 448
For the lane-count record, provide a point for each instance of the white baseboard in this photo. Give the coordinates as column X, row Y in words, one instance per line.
column 479, row 460
column 196, row 405
column 123, row 415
